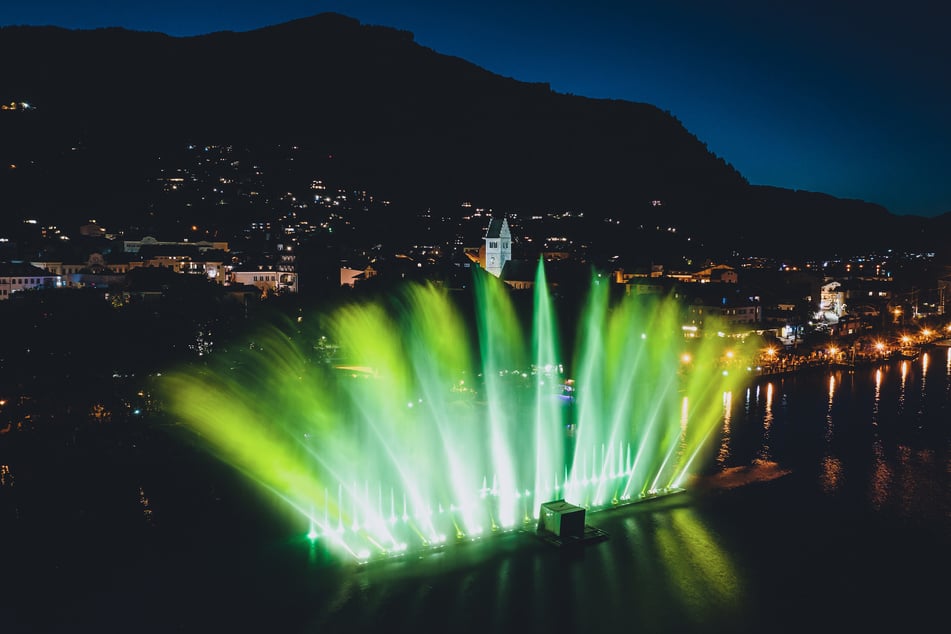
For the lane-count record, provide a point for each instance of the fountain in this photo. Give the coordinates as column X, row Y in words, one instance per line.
column 424, row 428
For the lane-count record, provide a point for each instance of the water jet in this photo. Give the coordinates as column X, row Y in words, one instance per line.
column 425, row 427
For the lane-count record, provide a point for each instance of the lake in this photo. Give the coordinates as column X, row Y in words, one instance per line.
column 824, row 504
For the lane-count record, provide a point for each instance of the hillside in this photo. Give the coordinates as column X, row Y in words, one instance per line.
column 424, row 130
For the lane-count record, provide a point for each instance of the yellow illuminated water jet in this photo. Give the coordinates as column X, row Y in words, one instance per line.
column 424, row 427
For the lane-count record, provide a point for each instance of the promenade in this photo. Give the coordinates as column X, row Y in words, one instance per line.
column 867, row 349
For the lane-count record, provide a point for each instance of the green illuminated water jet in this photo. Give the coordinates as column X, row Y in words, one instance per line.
column 426, row 429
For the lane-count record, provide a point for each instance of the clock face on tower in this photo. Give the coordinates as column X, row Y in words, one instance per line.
column 492, row 260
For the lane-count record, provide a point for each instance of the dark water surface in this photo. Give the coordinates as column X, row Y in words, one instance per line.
column 825, row 506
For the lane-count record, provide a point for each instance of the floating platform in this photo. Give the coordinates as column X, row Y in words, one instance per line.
column 562, row 524
column 589, row 535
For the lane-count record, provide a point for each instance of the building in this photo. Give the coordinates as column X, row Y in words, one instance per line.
column 721, row 273
column 356, row 270
column 20, row 276
column 498, row 246
column 519, row 274
column 832, row 300
column 287, row 265
column 134, row 246
column 267, row 280
column 183, row 258
column 731, row 308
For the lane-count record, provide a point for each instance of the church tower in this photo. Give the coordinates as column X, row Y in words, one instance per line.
column 498, row 246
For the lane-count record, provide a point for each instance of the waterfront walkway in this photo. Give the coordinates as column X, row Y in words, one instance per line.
column 845, row 357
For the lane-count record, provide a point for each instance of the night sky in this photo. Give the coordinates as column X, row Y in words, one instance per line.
column 848, row 98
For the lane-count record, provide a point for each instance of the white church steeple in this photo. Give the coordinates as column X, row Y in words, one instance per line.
column 498, row 246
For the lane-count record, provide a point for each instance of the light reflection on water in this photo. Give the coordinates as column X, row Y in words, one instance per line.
column 947, row 374
column 765, row 453
column 881, row 479
column 831, row 471
column 878, row 441
column 723, row 455
column 146, row 507
column 901, row 393
column 829, row 403
column 883, row 431
column 883, row 440
column 925, row 358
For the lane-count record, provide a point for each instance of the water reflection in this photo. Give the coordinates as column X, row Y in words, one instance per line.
column 923, row 490
column 880, row 481
column 146, row 506
column 858, row 438
column 723, row 455
column 697, row 568
column 903, row 368
column 503, row 593
column 679, row 568
column 925, row 358
column 662, row 569
column 829, row 402
column 831, row 467
column 877, row 398
column 765, row 454
column 947, row 374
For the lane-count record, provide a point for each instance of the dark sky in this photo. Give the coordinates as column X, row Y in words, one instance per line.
column 848, row 98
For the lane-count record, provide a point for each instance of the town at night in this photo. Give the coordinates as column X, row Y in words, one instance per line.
column 315, row 324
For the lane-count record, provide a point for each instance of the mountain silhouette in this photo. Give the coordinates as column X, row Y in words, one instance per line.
column 419, row 128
